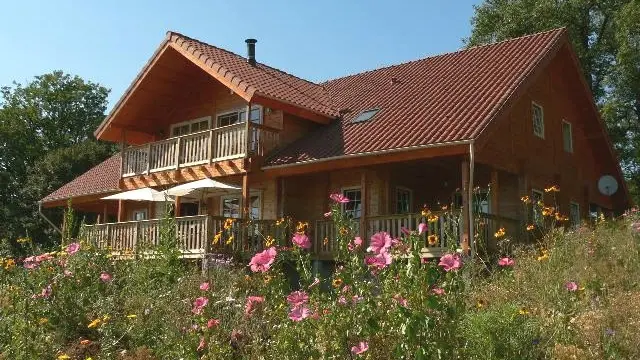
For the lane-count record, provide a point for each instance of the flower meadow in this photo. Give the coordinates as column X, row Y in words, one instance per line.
column 574, row 294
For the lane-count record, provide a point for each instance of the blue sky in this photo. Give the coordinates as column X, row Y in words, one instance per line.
column 109, row 41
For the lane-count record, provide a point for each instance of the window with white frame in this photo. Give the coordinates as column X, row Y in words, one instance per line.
column 574, row 214
column 353, row 209
column 191, row 126
column 139, row 215
column 239, row 115
column 231, row 206
column 537, row 113
column 537, row 196
column 567, row 136
column 403, row 200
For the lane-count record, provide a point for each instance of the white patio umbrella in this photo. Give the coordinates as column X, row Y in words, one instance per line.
column 200, row 188
column 144, row 194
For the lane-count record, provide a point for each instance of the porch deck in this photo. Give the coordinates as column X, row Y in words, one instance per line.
column 195, row 233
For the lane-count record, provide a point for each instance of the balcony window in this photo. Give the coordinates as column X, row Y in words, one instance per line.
column 232, row 206
column 567, row 137
column 538, row 120
column 353, row 209
column 403, row 200
column 191, row 126
column 239, row 116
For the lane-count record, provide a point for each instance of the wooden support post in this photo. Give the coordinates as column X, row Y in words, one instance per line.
column 120, row 210
column 150, row 210
column 248, row 132
column 492, row 245
column 364, row 203
column 466, row 202
column 245, row 209
column 279, row 197
column 176, row 208
column 104, row 214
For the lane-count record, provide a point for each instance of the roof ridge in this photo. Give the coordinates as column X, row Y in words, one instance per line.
column 171, row 33
column 559, row 30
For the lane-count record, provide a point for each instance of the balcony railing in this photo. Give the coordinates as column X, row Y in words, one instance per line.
column 223, row 143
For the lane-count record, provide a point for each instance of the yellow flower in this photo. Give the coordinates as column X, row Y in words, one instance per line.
column 432, row 239
column 432, row 218
column 530, row 227
column 23, row 240
column 94, row 323
column 500, row 233
column 43, row 321
column 63, row 357
column 426, row 212
column 132, row 316
column 269, row 241
column 548, row 211
column 559, row 217
column 106, row 318
column 554, row 188
column 544, row 256
column 9, row 263
column 279, row 221
column 523, row 311
column 337, row 282
column 480, row 304
column 85, row 342
column 444, row 207
column 325, row 241
column 230, row 240
column 216, row 237
column 344, row 231
column 302, row 226
column 525, row 199
column 267, row 279
column 228, row 223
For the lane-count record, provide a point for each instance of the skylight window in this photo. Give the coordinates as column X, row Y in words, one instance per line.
column 365, row 115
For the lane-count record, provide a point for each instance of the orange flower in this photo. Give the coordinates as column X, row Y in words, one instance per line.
column 554, row 188
column 85, row 342
column 500, row 233
column 530, row 227
column 432, row 239
column 525, row 199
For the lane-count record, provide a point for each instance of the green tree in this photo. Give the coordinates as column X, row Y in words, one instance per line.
column 46, row 135
column 606, row 37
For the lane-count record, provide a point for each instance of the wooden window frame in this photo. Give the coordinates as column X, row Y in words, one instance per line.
column 239, row 197
column 189, row 122
column 564, row 144
column 352, row 188
column 533, row 119
column 240, row 109
column 140, row 211
column 410, row 191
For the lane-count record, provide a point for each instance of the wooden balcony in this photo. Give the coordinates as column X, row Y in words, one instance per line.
column 205, row 147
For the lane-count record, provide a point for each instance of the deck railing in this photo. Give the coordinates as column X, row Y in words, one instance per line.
column 223, row 143
column 445, row 226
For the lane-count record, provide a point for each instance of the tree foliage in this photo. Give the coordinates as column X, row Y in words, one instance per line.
column 606, row 37
column 46, row 135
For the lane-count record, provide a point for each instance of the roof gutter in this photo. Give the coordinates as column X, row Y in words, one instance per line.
column 47, row 219
column 372, row 153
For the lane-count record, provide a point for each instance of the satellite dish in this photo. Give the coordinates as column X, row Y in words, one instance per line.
column 608, row 185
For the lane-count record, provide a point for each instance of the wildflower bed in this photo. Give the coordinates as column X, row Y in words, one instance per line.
column 574, row 295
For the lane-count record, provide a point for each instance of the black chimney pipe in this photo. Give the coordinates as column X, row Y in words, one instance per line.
column 251, row 51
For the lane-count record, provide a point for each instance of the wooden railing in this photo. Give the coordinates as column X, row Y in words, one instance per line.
column 488, row 224
column 223, row 143
column 192, row 232
column 446, row 227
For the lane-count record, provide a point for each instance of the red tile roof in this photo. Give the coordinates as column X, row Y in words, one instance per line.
column 102, row 178
column 441, row 99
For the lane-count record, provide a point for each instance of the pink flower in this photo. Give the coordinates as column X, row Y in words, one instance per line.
column 400, row 300
column 450, row 262
column 202, row 345
column 355, row 244
column 360, row 348
column 356, row 299
column 30, row 263
column 73, row 248
column 571, row 286
column 251, row 303
column 204, row 286
column 506, row 262
column 105, row 277
column 301, row 240
column 199, row 304
column 327, row 214
column 297, row 298
column 67, row 273
column 342, row 300
column 261, row 262
column 46, row 292
column 422, row 228
column 212, row 322
column 405, row 231
column 43, row 257
column 380, row 261
column 379, row 242
column 438, row 291
column 299, row 313
column 339, row 198
column 636, row 226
